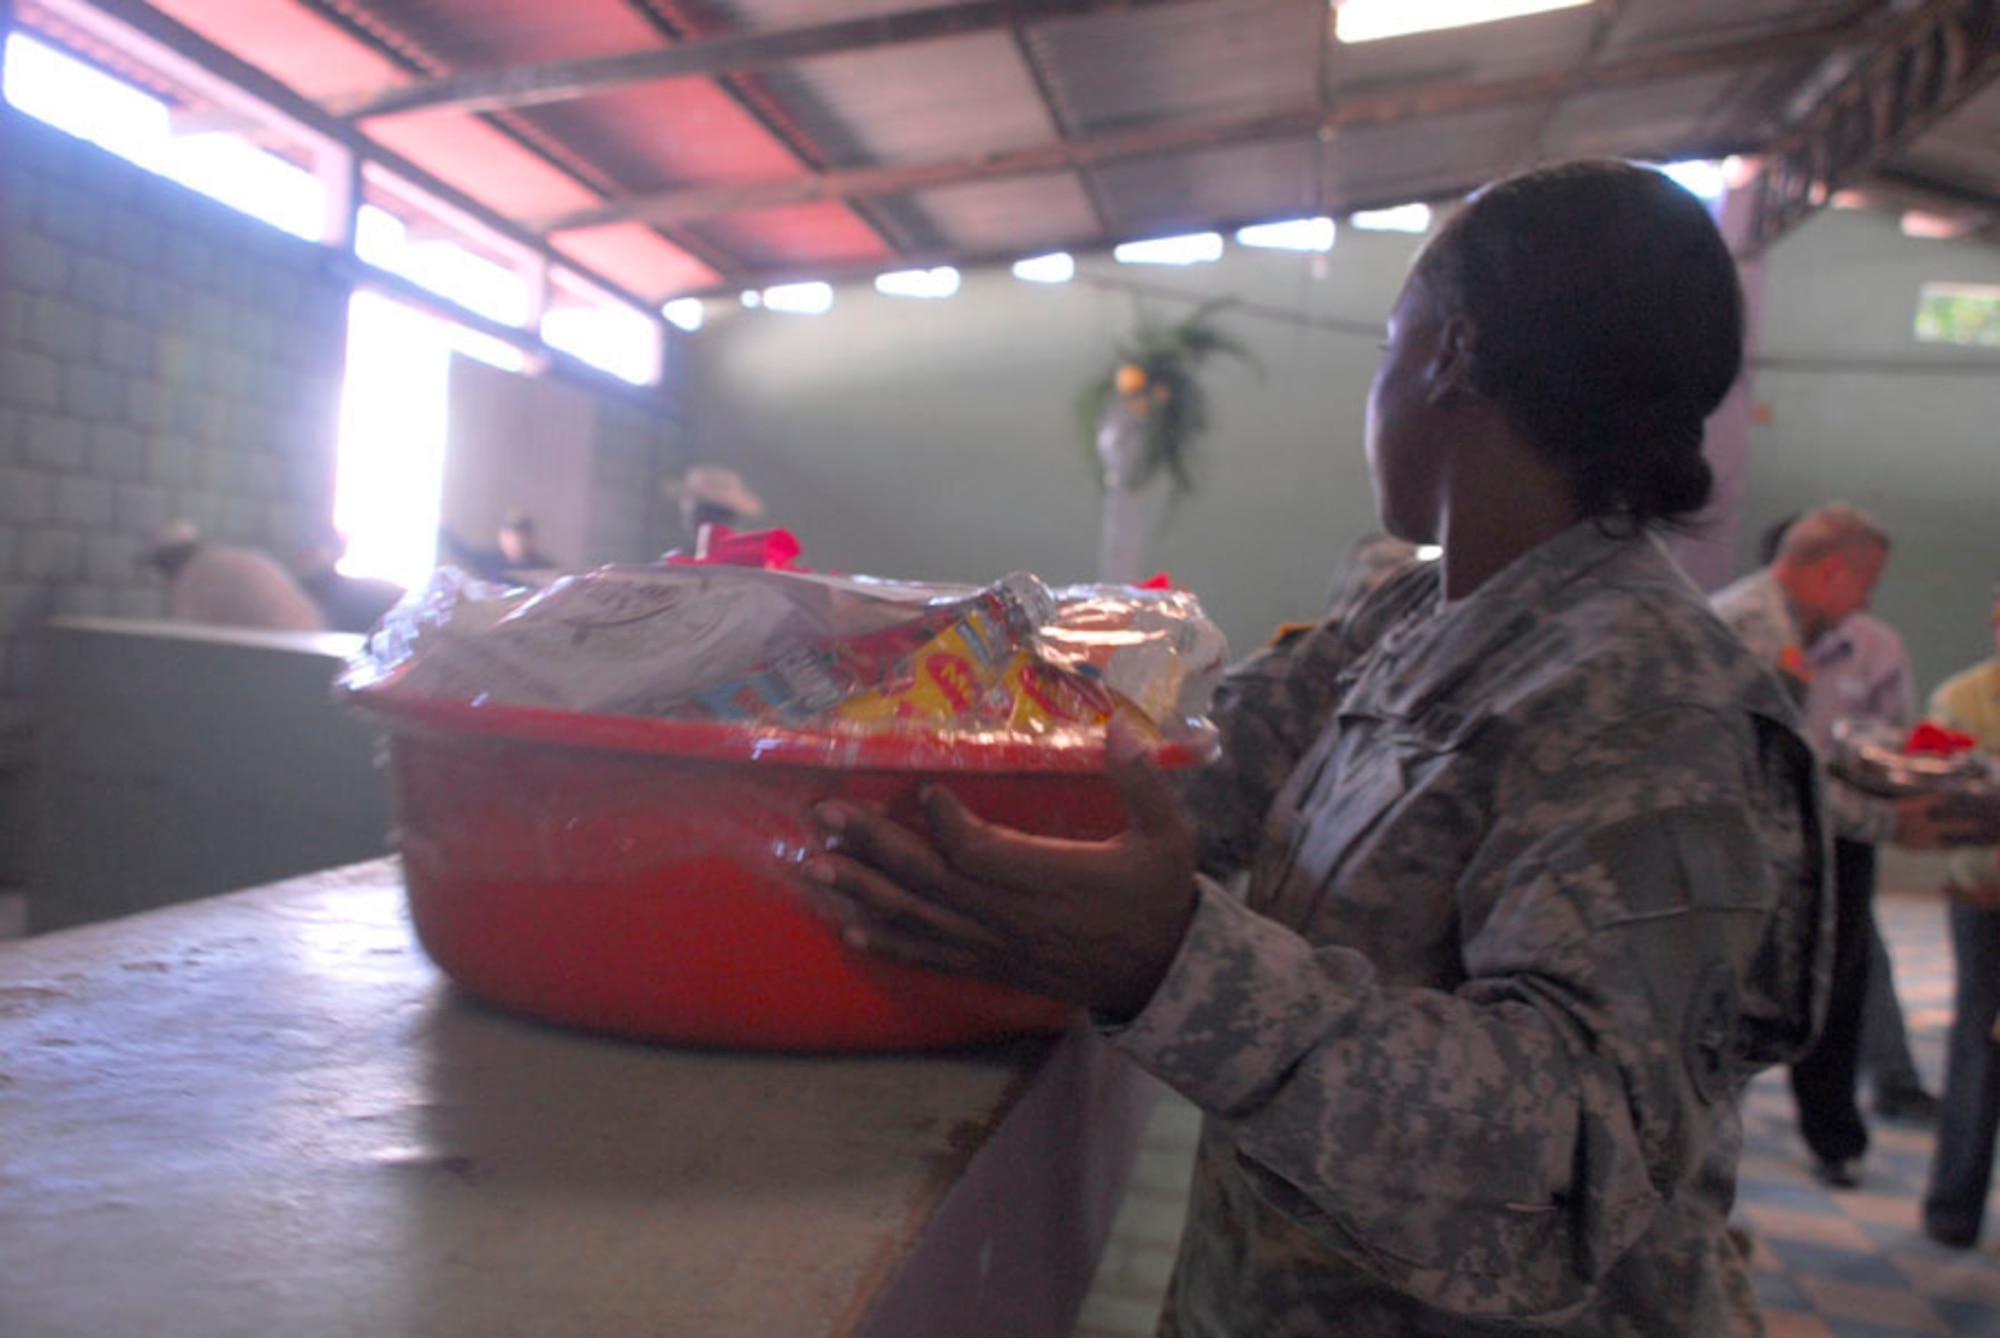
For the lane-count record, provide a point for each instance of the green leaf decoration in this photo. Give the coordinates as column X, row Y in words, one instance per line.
column 1175, row 406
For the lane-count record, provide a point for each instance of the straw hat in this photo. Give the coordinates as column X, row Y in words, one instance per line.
column 713, row 485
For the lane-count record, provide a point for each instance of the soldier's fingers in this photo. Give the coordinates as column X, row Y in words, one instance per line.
column 1009, row 876
column 908, row 858
column 1151, row 807
column 898, row 945
column 867, row 903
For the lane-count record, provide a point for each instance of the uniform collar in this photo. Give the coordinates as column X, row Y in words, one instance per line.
column 1426, row 656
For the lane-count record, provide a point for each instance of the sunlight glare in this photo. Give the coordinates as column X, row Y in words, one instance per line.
column 1373, row 20
column 685, row 313
column 1292, row 234
column 1195, row 248
column 1402, row 218
column 390, row 475
column 612, row 338
column 1055, row 267
column 939, row 282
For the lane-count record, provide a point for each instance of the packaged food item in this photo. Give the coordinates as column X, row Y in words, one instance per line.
column 937, row 666
column 751, row 644
column 1045, row 697
column 624, row 640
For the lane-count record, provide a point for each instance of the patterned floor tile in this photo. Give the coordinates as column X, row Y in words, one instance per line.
column 1893, row 1307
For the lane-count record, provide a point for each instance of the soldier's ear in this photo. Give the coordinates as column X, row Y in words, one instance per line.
column 1448, row 373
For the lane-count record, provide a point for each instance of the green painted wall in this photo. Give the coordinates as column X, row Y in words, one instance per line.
column 936, row 439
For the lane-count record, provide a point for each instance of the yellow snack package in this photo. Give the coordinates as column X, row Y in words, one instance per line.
column 1048, row 697
column 951, row 677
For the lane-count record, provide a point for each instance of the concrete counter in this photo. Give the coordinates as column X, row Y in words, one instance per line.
column 267, row 1112
column 176, row 761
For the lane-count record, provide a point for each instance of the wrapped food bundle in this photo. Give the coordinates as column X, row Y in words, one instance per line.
column 603, row 787
column 802, row 649
column 1885, row 760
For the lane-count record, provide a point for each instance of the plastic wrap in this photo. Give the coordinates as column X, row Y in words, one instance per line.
column 796, row 650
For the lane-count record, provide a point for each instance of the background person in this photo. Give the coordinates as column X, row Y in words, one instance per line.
column 1826, row 567
column 1471, row 1047
column 1969, row 1116
column 1861, row 668
column 514, row 556
column 226, row 586
column 712, row 495
column 346, row 603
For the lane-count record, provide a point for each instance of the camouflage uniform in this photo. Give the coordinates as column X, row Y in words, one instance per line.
column 1534, row 889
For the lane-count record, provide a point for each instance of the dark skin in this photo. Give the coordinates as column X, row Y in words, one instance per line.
column 1093, row 922
column 1099, row 923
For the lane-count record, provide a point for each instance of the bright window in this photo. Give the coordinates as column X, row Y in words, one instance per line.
column 1402, row 218
column 1194, row 248
column 1055, row 267
column 685, row 312
column 390, row 475
column 610, row 336
column 136, row 126
column 1959, row 313
column 1373, row 20
column 939, row 282
column 800, row 299
column 1292, row 234
column 446, row 268
column 1701, row 178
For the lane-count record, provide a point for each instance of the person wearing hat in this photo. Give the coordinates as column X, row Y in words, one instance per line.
column 713, row 495
column 227, row 586
column 1969, row 1115
column 517, row 544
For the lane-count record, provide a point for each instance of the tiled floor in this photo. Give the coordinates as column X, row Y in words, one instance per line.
column 1848, row 1265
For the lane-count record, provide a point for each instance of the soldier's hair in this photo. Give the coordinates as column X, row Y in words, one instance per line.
column 1607, row 322
column 1826, row 530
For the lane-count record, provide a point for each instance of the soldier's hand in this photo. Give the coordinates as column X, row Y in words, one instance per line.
column 1093, row 922
column 1960, row 818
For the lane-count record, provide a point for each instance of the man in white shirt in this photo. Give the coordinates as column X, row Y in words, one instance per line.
column 226, row 586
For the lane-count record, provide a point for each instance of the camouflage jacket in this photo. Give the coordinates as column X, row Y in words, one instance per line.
column 1535, row 885
column 1757, row 611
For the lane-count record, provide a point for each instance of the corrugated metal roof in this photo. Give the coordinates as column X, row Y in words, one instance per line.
column 716, row 144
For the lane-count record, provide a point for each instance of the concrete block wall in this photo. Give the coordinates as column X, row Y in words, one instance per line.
column 161, row 356
column 638, row 444
column 164, row 356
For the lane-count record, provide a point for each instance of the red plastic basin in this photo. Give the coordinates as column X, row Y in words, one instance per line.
column 622, row 874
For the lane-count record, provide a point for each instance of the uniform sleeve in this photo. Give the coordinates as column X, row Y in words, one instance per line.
column 1857, row 815
column 1494, row 1149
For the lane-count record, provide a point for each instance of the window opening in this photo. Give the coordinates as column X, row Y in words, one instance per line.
column 1959, row 313
column 389, row 474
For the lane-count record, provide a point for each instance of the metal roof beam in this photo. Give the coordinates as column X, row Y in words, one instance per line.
column 129, row 23
column 1090, row 244
column 1941, row 54
column 564, row 81
column 692, row 204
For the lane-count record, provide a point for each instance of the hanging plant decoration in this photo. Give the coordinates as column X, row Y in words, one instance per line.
column 1152, row 387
